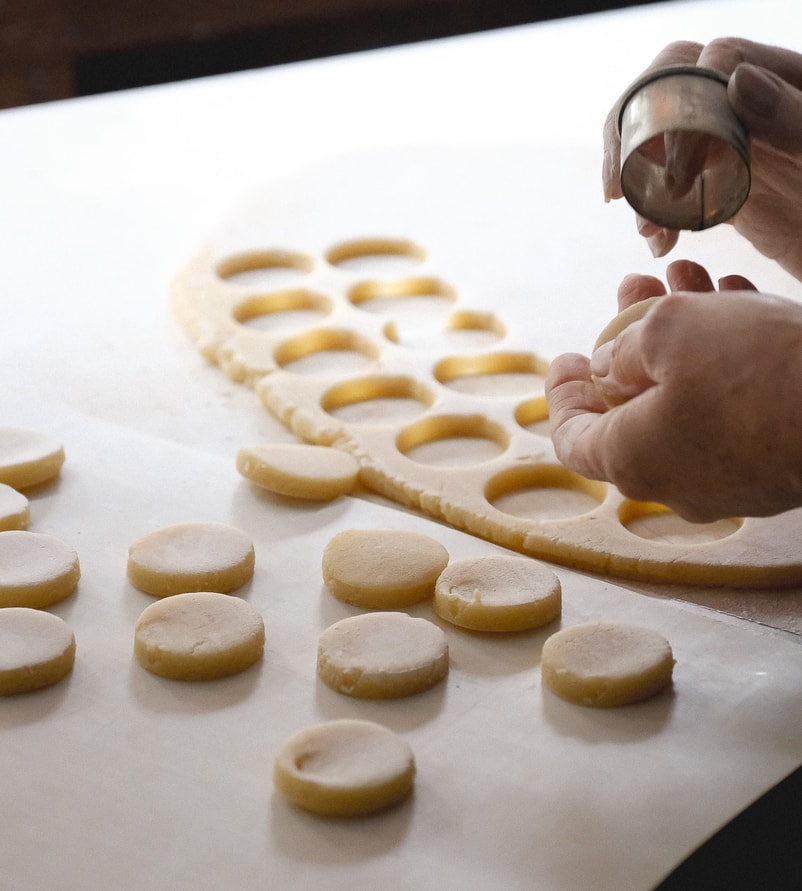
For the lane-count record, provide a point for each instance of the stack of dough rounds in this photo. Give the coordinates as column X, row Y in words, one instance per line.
column 382, row 568
column 382, row 655
column 498, row 593
column 191, row 557
column 28, row 458
column 36, row 570
column 345, row 768
column 37, row 649
column 299, row 470
column 606, row 664
column 15, row 511
column 199, row 636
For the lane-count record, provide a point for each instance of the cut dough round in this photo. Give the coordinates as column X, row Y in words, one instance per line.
column 36, row 570
column 191, row 557
column 345, row 768
column 311, row 472
column 37, row 649
column 624, row 319
column 199, row 636
column 382, row 568
column 15, row 511
column 28, row 458
column 382, row 655
column 606, row 664
column 498, row 593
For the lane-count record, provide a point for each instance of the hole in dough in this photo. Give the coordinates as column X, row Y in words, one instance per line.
column 267, row 268
column 453, row 440
column 533, row 415
column 283, row 310
column 655, row 522
column 544, row 492
column 376, row 256
column 325, row 351
column 377, row 400
column 493, row 374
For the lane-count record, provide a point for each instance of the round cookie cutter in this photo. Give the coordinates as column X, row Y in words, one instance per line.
column 685, row 160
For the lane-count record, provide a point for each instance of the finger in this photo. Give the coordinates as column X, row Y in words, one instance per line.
column 659, row 240
column 770, row 107
column 686, row 154
column 726, row 54
column 677, row 53
column 636, row 287
column 685, row 275
column 574, row 409
column 618, row 367
column 735, row 283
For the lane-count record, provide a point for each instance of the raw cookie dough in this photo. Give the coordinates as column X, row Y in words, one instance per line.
column 498, row 593
column 199, row 636
column 624, row 319
column 382, row 655
column 382, row 568
column 36, row 570
column 37, row 649
column 312, row 472
column 606, row 664
column 344, row 768
column 28, row 458
column 191, row 557
column 15, row 511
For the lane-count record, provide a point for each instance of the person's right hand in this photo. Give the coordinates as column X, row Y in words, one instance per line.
column 765, row 89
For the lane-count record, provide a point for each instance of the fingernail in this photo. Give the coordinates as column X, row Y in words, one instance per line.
column 757, row 90
column 659, row 243
column 607, row 177
column 601, row 359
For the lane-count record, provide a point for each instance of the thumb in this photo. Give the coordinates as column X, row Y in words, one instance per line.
column 618, row 367
column 770, row 107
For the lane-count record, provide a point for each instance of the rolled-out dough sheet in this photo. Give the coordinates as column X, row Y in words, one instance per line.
column 515, row 788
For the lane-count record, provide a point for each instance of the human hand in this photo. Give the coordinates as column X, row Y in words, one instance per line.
column 713, row 423
column 765, row 90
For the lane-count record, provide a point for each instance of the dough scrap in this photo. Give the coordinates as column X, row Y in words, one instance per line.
column 191, row 557
column 382, row 568
column 345, row 768
column 606, row 664
column 36, row 570
column 300, row 470
column 28, row 457
column 15, row 511
column 199, row 636
column 498, row 593
column 382, row 655
column 37, row 649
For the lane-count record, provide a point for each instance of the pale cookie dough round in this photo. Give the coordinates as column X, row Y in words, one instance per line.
column 37, row 649
column 298, row 470
column 15, row 511
column 382, row 568
column 345, row 768
column 382, row 655
column 498, row 593
column 633, row 313
column 191, row 557
column 36, row 570
column 28, row 458
column 199, row 636
column 606, row 664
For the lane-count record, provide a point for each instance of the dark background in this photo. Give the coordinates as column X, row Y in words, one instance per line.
column 56, row 49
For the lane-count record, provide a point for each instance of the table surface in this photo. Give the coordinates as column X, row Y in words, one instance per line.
column 135, row 781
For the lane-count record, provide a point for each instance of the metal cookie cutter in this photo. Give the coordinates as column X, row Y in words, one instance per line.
column 684, row 153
